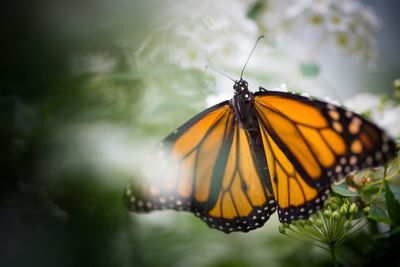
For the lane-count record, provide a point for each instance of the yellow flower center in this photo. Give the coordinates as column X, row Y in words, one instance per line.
column 316, row 19
column 342, row 40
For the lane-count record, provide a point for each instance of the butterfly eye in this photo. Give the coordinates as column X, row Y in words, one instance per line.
column 243, row 85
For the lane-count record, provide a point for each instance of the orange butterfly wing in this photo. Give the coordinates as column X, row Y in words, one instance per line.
column 208, row 167
column 309, row 144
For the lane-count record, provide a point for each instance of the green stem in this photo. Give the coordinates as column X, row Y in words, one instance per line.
column 325, row 229
column 382, row 185
column 301, row 231
column 305, row 241
column 332, row 251
column 337, row 226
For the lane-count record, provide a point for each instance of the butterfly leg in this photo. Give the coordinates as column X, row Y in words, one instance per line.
column 262, row 89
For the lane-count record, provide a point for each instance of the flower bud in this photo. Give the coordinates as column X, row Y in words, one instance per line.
column 347, row 224
column 334, row 200
column 335, row 215
column 343, row 209
column 334, row 206
column 327, row 213
column 366, row 209
column 353, row 208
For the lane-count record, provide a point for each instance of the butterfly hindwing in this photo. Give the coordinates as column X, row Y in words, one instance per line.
column 296, row 199
column 245, row 202
column 310, row 144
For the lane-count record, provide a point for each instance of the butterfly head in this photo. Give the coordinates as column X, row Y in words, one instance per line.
column 241, row 87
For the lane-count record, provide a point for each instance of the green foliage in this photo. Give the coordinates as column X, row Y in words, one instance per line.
column 378, row 214
column 329, row 227
column 309, row 70
column 343, row 190
column 255, row 9
column 393, row 206
column 363, row 199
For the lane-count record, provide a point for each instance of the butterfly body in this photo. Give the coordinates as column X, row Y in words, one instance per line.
column 246, row 116
column 243, row 104
column 237, row 162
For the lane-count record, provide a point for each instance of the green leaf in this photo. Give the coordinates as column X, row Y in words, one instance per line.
column 396, row 191
column 369, row 191
column 309, row 69
column 255, row 9
column 393, row 206
column 378, row 214
column 343, row 190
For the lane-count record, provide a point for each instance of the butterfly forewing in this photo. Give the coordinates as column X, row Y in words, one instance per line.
column 179, row 175
column 309, row 144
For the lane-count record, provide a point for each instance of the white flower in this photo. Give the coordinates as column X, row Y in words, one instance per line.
column 188, row 55
column 348, row 6
column 282, row 88
column 363, row 102
column 204, row 32
column 332, row 101
column 189, row 36
column 309, row 25
column 322, row 7
column 337, row 22
column 296, row 8
column 389, row 119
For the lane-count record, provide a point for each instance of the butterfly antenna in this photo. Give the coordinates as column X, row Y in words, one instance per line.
column 252, row 50
column 220, row 72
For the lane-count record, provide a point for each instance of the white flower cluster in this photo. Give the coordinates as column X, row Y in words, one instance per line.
column 188, row 35
column 309, row 25
column 193, row 34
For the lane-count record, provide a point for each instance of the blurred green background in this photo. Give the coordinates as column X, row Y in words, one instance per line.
column 87, row 87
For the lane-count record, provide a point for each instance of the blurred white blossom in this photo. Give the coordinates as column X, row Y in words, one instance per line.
column 282, row 88
column 308, row 25
column 211, row 32
column 364, row 102
column 188, row 35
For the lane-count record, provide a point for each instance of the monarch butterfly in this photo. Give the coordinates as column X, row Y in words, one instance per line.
column 237, row 162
